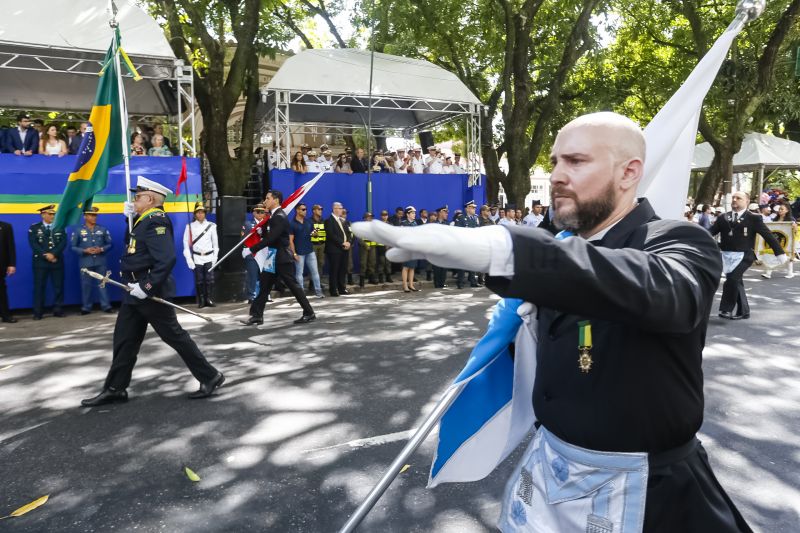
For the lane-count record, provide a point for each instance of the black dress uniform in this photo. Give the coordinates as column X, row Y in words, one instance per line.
column 44, row 238
column 738, row 234
column 148, row 261
column 336, row 233
column 8, row 258
column 466, row 221
column 646, row 287
column 276, row 235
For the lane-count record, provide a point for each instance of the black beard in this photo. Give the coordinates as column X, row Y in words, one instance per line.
column 588, row 214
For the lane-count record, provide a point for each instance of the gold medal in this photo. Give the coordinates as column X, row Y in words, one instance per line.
column 585, row 346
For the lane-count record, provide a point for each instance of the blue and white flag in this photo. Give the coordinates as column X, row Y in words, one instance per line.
column 494, row 412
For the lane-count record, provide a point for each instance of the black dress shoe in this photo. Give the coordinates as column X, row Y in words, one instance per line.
column 59, row 314
column 253, row 321
column 37, row 317
column 10, row 320
column 207, row 389
column 110, row 310
column 345, row 292
column 210, row 302
column 725, row 314
column 415, row 289
column 84, row 312
column 107, row 396
column 334, row 294
column 743, row 316
column 305, row 319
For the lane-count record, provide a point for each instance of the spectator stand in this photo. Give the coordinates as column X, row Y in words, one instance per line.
column 327, row 92
column 52, row 50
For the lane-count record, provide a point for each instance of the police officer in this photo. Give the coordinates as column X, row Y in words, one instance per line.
column 467, row 220
column 48, row 245
column 367, row 257
column 318, row 236
column 91, row 242
column 250, row 263
column 439, row 273
column 201, row 249
column 146, row 267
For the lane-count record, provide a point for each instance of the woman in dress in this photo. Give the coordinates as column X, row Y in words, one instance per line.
column 408, row 267
column 343, row 165
column 137, row 145
column 52, row 143
column 158, row 149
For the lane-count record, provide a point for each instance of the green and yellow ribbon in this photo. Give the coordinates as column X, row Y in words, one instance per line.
column 584, row 334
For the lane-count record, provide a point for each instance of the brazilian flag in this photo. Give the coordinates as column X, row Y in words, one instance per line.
column 101, row 147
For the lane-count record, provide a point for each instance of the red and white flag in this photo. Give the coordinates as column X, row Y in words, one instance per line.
column 288, row 205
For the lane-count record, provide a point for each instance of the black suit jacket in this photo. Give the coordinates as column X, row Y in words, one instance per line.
column 8, row 253
column 14, row 141
column 359, row 165
column 741, row 236
column 647, row 288
column 74, row 144
column 334, row 237
column 275, row 234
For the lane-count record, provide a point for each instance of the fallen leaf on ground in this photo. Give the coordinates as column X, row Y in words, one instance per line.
column 190, row 474
column 406, row 467
column 29, row 507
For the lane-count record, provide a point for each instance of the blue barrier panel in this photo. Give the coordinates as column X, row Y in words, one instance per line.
column 423, row 191
column 28, row 183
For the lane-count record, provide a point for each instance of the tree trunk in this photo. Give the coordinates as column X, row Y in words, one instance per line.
column 719, row 174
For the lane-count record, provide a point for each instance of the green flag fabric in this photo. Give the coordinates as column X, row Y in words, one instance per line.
column 101, row 147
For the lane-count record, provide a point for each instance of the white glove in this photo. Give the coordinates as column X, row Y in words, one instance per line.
column 444, row 246
column 245, row 252
column 137, row 291
column 190, row 264
column 128, row 209
column 782, row 259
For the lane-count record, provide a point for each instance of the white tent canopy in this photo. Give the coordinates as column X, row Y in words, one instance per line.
column 406, row 93
column 759, row 152
column 52, row 50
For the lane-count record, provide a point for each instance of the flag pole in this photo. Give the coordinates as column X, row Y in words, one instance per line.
column 123, row 109
column 414, row 442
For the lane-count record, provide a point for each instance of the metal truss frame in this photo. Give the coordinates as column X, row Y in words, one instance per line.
column 278, row 120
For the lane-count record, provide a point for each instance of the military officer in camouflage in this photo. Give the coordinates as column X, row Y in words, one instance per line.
column 48, row 246
column 468, row 220
column 146, row 267
column 91, row 242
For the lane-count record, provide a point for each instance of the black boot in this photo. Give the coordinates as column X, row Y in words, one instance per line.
column 349, row 279
column 361, row 280
column 373, row 280
column 201, row 296
column 209, row 293
column 389, row 279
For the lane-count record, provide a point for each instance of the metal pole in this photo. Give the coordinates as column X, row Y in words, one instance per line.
column 394, row 469
column 369, row 105
column 123, row 110
column 107, row 279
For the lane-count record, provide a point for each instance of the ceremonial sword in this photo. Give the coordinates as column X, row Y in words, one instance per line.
column 107, row 279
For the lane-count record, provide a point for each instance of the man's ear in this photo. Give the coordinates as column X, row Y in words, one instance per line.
column 632, row 174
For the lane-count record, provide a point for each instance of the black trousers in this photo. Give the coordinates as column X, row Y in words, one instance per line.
column 5, row 312
column 684, row 495
column 40, row 277
column 460, row 278
column 286, row 273
column 439, row 276
column 203, row 278
column 129, row 332
column 733, row 294
column 337, row 271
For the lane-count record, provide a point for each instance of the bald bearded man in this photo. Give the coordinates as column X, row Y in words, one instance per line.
column 623, row 304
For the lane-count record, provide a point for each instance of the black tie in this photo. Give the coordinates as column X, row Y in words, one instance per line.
column 736, row 218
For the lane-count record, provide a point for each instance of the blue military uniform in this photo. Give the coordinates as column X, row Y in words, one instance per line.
column 83, row 239
column 467, row 221
column 43, row 239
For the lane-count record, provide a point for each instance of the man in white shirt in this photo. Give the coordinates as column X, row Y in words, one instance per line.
column 447, row 168
column 311, row 162
column 457, row 167
column 535, row 217
column 433, row 162
column 401, row 162
column 416, row 164
column 326, row 160
column 305, row 148
column 200, row 249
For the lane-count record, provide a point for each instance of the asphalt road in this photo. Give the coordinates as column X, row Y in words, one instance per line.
column 311, row 415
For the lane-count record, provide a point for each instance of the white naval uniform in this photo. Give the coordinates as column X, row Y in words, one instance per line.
column 433, row 165
column 532, row 220
column 206, row 249
column 417, row 166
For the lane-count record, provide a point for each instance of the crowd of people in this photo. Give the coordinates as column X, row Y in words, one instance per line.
column 399, row 161
column 33, row 136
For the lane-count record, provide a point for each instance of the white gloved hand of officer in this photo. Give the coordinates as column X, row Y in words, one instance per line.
column 245, row 252
column 137, row 291
column 190, row 264
column 444, row 246
column 128, row 209
column 782, row 259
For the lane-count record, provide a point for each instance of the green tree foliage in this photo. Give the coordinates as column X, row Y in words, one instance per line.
column 203, row 33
